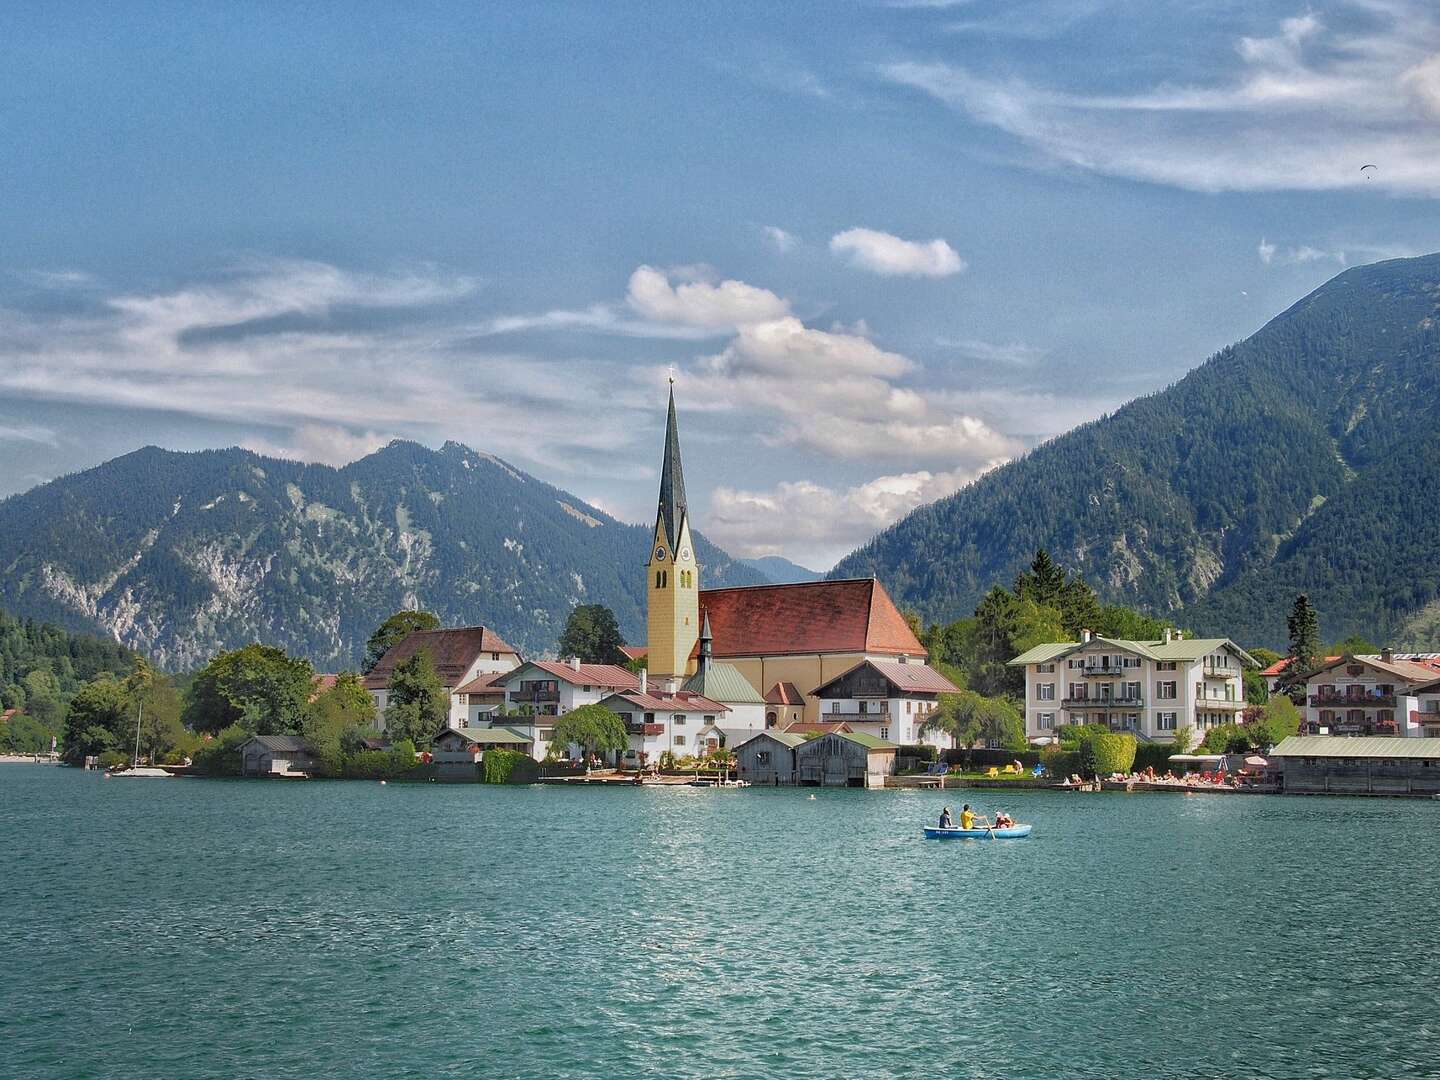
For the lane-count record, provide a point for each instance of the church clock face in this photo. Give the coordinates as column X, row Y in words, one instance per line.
column 684, row 553
column 659, row 554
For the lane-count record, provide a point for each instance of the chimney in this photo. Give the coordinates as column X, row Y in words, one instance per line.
column 1085, row 637
column 1167, row 635
column 574, row 663
column 1387, row 654
column 644, row 681
column 672, row 684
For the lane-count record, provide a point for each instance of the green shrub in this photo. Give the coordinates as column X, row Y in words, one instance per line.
column 509, row 767
column 1106, row 752
column 111, row 758
column 1154, row 756
column 920, row 751
column 220, row 756
column 1060, row 763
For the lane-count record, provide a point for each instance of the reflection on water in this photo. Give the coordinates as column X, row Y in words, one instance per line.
column 197, row 929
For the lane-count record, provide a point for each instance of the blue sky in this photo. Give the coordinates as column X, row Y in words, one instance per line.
column 882, row 247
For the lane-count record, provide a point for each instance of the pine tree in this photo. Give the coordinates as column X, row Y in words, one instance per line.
column 592, row 634
column 1304, row 628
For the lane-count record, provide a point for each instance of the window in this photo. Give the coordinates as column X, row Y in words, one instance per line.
column 1132, row 661
column 1132, row 691
column 1075, row 663
column 1167, row 691
column 1045, row 669
column 649, row 718
column 1166, row 721
column 662, row 579
column 909, row 703
column 762, row 757
column 884, row 733
column 835, row 706
column 1077, row 691
column 1165, row 665
column 708, row 719
column 585, row 688
column 1045, row 692
column 1045, row 720
column 679, row 740
column 679, row 719
column 494, row 656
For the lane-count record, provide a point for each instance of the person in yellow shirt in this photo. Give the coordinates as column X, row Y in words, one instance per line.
column 967, row 817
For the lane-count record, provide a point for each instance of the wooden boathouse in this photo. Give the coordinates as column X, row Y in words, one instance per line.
column 768, row 759
column 845, row 759
column 1336, row 765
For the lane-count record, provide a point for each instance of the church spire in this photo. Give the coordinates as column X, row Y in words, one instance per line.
column 672, row 478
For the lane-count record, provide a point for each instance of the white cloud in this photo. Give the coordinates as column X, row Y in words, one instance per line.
column 701, row 303
column 1009, row 353
column 326, row 444
column 1266, row 251
column 1301, row 109
column 882, row 253
column 815, row 524
column 32, row 433
column 782, row 241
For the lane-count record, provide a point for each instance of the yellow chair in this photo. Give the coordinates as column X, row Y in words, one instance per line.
column 993, row 771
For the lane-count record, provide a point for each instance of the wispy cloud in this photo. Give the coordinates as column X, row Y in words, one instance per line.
column 782, row 241
column 889, row 255
column 1009, row 353
column 31, row 433
column 1302, row 109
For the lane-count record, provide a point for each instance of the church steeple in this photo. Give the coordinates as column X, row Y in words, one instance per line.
column 672, row 479
column 672, row 573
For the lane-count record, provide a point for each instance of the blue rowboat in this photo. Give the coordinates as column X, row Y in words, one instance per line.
column 1010, row 832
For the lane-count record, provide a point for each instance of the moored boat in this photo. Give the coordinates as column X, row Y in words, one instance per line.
column 1009, row 832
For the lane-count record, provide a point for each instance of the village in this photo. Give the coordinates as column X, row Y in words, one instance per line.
column 826, row 683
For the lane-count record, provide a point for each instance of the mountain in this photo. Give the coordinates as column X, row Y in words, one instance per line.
column 780, row 570
column 178, row 555
column 1301, row 459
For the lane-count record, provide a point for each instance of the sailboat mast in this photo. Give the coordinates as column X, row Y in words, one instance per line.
column 140, row 713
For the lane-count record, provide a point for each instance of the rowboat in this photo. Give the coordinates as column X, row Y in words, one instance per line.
column 1009, row 832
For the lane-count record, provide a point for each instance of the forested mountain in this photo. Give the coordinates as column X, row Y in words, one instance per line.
column 42, row 661
column 781, row 570
column 1301, row 459
column 180, row 554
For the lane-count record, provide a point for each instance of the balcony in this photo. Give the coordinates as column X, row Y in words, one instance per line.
column 1344, row 701
column 534, row 697
column 1073, row 704
column 1212, row 671
column 1106, row 671
column 634, row 728
column 1219, row 703
column 855, row 715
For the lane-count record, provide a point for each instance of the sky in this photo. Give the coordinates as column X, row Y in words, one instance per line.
column 881, row 247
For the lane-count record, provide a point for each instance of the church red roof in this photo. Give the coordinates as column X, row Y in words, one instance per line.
column 854, row 616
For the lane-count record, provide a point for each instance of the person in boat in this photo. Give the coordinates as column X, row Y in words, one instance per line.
column 967, row 817
column 1003, row 820
column 946, row 821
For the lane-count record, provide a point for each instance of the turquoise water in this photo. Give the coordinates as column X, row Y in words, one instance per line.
column 189, row 928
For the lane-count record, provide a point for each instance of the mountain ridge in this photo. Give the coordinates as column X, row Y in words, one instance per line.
column 210, row 549
column 1211, row 485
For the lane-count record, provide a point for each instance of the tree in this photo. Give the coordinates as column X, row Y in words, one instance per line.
column 332, row 719
column 1303, row 626
column 42, row 697
column 418, row 705
column 1354, row 645
column 592, row 634
column 258, row 687
column 99, row 719
column 593, row 728
column 968, row 717
column 394, row 630
column 158, row 707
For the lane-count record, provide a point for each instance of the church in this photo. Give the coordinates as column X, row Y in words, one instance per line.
column 824, row 655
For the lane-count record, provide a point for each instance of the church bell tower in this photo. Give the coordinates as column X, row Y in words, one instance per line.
column 672, row 574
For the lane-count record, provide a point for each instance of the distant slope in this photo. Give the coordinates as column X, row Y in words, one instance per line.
column 781, row 570
column 178, row 555
column 1268, row 470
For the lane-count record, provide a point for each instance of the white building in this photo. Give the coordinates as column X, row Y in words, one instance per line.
column 680, row 721
column 1420, row 709
column 538, row 691
column 460, row 656
column 889, row 699
column 1149, row 688
column 1372, row 694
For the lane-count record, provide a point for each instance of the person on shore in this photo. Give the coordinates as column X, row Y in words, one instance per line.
column 967, row 817
column 946, row 821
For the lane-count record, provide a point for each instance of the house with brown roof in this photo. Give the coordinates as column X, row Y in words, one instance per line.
column 1365, row 694
column 538, row 691
column 683, row 722
column 460, row 654
column 889, row 699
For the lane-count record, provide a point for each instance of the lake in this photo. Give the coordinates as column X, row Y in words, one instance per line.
column 191, row 928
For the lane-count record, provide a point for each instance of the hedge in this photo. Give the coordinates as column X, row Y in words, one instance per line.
column 919, row 751
column 509, row 767
column 1060, row 764
column 1154, row 756
column 1109, row 752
